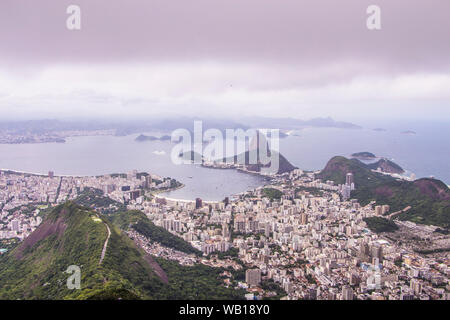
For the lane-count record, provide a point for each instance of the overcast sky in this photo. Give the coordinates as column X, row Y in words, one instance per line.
column 272, row 58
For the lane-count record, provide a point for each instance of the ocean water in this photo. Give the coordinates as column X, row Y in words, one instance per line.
column 425, row 153
column 97, row 155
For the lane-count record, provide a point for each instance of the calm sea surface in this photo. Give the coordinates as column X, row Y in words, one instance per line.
column 425, row 153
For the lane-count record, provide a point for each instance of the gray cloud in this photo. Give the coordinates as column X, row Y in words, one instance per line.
column 312, row 56
column 414, row 33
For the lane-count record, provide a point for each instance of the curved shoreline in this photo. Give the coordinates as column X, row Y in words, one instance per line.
column 46, row 174
column 156, row 195
column 254, row 173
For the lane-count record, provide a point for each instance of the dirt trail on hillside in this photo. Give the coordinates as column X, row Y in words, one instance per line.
column 105, row 246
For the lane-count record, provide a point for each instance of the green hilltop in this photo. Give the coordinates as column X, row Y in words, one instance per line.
column 272, row 193
column 138, row 221
column 428, row 199
column 74, row 235
column 124, row 219
column 386, row 166
column 379, row 224
column 337, row 168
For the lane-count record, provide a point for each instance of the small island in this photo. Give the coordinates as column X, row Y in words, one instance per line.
column 363, row 155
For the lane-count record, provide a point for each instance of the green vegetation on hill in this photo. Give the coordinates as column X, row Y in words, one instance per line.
column 379, row 224
column 164, row 237
column 386, row 166
column 313, row 191
column 197, row 282
column 94, row 199
column 272, row 193
column 337, row 168
column 230, row 253
column 270, row 285
column 70, row 236
column 74, row 235
column 118, row 215
column 429, row 199
column 139, row 222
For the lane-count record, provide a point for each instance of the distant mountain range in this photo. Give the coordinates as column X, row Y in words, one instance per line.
column 292, row 123
column 165, row 124
column 428, row 199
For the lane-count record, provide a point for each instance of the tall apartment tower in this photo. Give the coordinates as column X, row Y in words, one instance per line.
column 225, row 230
column 349, row 179
column 303, row 218
column 198, row 203
column 148, row 181
column 253, row 277
column 347, row 293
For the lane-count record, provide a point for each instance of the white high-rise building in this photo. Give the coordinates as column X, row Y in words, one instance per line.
column 15, row 225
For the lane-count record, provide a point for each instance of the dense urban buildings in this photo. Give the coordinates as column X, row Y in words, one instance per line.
column 312, row 241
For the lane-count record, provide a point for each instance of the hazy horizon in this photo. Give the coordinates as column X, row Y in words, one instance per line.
column 252, row 58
